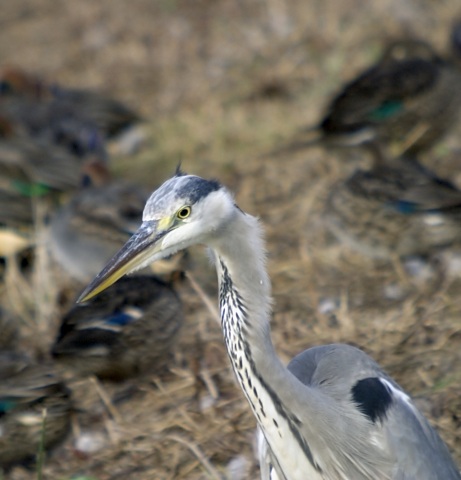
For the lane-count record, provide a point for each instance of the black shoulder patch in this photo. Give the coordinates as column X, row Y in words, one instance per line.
column 372, row 398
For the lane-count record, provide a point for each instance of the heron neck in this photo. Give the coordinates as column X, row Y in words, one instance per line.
column 245, row 304
column 245, row 295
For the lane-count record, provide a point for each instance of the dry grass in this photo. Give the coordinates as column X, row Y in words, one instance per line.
column 221, row 83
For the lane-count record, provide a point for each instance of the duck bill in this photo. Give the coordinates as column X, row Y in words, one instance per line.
column 138, row 252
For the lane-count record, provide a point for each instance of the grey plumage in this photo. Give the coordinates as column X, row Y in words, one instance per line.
column 338, row 369
column 317, row 419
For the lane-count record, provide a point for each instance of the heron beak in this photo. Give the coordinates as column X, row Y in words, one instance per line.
column 136, row 253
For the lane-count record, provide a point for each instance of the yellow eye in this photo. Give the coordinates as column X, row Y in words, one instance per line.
column 183, row 213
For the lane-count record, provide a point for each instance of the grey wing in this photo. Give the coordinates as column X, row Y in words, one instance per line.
column 412, row 445
column 419, row 451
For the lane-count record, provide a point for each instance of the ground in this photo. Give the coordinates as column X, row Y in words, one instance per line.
column 221, row 83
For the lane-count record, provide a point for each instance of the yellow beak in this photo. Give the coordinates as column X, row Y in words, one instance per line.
column 135, row 254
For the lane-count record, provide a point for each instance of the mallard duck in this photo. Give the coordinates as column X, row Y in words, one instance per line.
column 16, row 214
column 51, row 122
column 96, row 221
column 126, row 331
column 404, row 103
column 110, row 116
column 398, row 209
column 31, row 167
column 32, row 399
column 410, row 98
column 33, row 176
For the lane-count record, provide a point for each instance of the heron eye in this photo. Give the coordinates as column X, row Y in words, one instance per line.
column 183, row 213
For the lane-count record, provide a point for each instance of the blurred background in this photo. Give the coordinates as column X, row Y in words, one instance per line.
column 218, row 85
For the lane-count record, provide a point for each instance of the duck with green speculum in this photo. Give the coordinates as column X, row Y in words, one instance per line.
column 35, row 408
column 399, row 209
column 405, row 103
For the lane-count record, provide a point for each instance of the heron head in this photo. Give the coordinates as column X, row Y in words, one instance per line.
column 184, row 211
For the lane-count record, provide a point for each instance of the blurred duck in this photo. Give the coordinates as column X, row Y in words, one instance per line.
column 42, row 150
column 395, row 210
column 31, row 168
column 33, row 175
column 96, row 221
column 16, row 213
column 110, row 116
column 51, row 122
column 405, row 102
column 32, row 399
column 125, row 331
column 8, row 330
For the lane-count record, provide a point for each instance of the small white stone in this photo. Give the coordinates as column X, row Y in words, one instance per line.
column 433, row 220
column 393, row 291
column 206, row 402
column 90, row 442
column 419, row 268
column 237, row 468
column 452, row 264
column 328, row 305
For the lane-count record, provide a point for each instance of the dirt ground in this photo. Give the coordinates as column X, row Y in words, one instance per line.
column 220, row 83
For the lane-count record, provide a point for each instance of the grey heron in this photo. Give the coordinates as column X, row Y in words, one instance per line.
column 333, row 414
